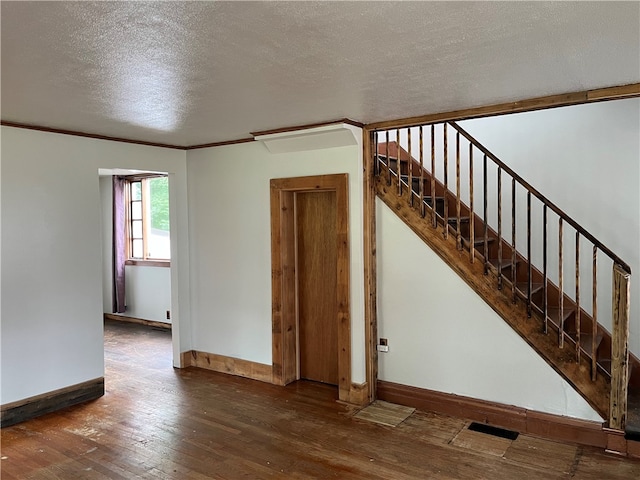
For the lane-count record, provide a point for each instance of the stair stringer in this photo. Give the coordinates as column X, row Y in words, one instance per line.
column 595, row 393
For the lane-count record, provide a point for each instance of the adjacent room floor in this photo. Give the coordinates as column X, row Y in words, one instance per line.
column 158, row 422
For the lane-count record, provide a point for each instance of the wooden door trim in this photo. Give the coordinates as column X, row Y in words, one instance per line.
column 283, row 276
column 370, row 267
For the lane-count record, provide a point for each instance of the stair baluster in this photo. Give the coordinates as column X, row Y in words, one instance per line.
column 386, row 134
column 529, row 286
column 446, row 180
column 545, row 308
column 376, row 163
column 410, row 169
column 499, row 227
column 458, row 233
column 472, row 224
column 486, row 225
column 560, row 285
column 434, row 218
column 594, row 314
column 514, row 252
column 399, row 163
column 422, row 209
column 578, row 340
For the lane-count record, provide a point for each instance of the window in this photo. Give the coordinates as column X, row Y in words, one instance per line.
column 148, row 218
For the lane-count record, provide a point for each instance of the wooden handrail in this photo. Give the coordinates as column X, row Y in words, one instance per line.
column 542, row 198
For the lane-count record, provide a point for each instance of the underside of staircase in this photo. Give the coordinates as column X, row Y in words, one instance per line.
column 506, row 281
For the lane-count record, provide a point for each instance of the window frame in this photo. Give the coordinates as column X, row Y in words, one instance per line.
column 145, row 260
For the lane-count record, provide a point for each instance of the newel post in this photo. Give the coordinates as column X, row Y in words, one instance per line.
column 619, row 348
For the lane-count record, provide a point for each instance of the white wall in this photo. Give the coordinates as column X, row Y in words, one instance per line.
column 148, row 292
column 231, row 244
column 585, row 159
column 147, row 289
column 52, row 335
column 443, row 337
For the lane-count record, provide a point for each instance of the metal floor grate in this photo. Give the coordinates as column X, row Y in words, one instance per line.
column 495, row 431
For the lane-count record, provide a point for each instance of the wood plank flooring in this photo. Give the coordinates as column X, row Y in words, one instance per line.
column 155, row 422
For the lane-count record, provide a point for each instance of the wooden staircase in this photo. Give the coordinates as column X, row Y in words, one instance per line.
column 555, row 323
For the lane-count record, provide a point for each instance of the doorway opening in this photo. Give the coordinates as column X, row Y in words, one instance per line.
column 310, row 281
column 143, row 236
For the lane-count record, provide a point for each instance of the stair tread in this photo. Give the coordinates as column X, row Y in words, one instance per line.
column 415, row 184
column 506, row 262
column 634, row 373
column 439, row 204
column 383, row 158
column 524, row 287
column 479, row 240
column 415, row 178
column 554, row 312
column 585, row 341
column 480, row 237
column 605, row 364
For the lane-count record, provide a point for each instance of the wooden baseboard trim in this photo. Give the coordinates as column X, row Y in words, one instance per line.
column 185, row 359
column 545, row 425
column 616, row 443
column 633, row 449
column 22, row 410
column 140, row 321
column 359, row 394
column 230, row 365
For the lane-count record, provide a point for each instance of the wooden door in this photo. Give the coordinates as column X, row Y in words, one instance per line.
column 317, row 277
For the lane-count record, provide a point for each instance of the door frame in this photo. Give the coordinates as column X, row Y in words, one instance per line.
column 285, row 356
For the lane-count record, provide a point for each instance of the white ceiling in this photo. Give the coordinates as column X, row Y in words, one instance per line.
column 188, row 73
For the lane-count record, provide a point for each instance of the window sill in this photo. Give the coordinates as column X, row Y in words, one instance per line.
column 148, row 263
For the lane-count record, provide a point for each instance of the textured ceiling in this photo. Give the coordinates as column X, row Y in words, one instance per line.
column 187, row 73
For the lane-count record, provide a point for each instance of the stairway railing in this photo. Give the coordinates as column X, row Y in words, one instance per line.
column 561, row 306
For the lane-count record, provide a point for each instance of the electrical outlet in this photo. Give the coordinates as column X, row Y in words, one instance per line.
column 383, row 346
column 168, row 315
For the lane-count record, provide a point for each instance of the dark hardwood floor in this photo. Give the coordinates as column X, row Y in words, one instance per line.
column 157, row 422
